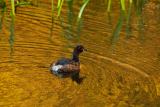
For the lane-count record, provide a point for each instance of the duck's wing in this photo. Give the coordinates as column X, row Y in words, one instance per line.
column 61, row 61
column 70, row 68
column 65, row 66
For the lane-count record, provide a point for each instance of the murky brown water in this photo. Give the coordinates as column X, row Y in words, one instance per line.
column 124, row 76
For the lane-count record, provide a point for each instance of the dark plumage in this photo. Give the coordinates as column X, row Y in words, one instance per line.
column 66, row 67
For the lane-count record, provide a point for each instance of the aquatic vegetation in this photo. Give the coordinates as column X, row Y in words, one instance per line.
column 126, row 9
column 59, row 7
column 85, row 2
column 13, row 8
column 3, row 9
column 125, row 16
column 14, row 5
column 60, row 3
column 12, row 36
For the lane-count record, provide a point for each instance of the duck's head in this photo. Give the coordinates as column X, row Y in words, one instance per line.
column 79, row 49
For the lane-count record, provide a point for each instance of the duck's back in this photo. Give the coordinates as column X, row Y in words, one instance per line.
column 63, row 61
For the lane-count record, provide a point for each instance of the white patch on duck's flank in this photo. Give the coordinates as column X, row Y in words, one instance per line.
column 55, row 68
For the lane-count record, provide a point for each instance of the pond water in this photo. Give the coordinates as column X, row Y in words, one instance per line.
column 123, row 75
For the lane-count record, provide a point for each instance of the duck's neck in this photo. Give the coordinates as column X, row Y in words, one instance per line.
column 75, row 56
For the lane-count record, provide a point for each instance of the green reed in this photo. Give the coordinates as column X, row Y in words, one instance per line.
column 128, row 20
column 109, row 5
column 60, row 4
column 11, row 38
column 125, row 16
column 3, row 9
column 59, row 7
column 13, row 8
column 85, row 2
column 118, row 28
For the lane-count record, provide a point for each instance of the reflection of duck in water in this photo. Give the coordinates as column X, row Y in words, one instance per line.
column 66, row 67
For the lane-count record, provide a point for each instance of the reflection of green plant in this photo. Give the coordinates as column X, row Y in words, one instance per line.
column 14, row 5
column 125, row 15
column 126, row 10
column 2, row 4
column 60, row 3
column 3, row 9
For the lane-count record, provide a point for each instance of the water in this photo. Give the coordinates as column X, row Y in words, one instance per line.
column 115, row 75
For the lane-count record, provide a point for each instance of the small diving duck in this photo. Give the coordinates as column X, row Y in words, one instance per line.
column 66, row 67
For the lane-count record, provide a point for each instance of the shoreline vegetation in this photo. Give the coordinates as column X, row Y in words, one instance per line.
column 127, row 7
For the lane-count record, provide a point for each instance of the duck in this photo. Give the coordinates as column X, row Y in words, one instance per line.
column 68, row 67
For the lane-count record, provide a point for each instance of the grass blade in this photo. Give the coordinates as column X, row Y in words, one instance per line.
column 13, row 8
column 128, row 18
column 123, row 5
column 82, row 9
column 118, row 28
column 109, row 5
column 60, row 3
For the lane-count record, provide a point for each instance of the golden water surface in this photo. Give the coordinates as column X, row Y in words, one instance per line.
column 124, row 75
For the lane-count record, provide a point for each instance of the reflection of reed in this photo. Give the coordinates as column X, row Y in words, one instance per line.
column 3, row 9
column 11, row 39
column 126, row 9
column 126, row 16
